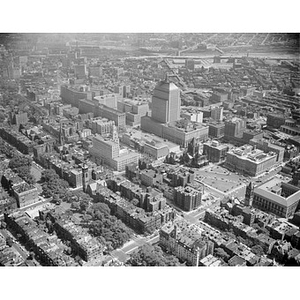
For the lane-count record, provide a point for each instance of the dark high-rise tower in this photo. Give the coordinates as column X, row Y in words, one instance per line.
column 166, row 102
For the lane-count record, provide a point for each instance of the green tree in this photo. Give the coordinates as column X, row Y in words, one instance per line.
column 75, row 205
column 49, row 225
column 110, row 228
column 56, row 199
column 20, row 161
column 109, row 246
column 83, row 196
column 24, row 173
column 69, row 197
column 102, row 207
column 9, row 241
column 84, row 204
column 87, row 218
column 258, row 250
column 2, row 117
column 149, row 255
column 219, row 252
column 52, row 184
column 49, row 175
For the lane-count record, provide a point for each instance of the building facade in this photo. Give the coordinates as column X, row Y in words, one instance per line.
column 277, row 197
column 187, row 198
column 216, row 130
column 166, row 102
column 108, row 152
column 185, row 242
column 215, row 151
column 250, row 161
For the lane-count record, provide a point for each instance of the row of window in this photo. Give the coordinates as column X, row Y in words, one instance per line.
column 268, row 204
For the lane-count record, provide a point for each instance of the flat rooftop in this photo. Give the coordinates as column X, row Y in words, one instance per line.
column 150, row 139
column 216, row 144
column 249, row 153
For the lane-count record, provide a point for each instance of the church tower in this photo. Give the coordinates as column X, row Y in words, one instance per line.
column 249, row 194
column 115, row 136
column 61, row 136
column 85, row 177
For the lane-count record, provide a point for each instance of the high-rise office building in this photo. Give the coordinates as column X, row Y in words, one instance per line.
column 217, row 113
column 165, row 114
column 234, row 127
column 80, row 71
column 166, row 102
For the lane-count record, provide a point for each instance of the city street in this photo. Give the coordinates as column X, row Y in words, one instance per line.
column 194, row 216
column 41, row 201
column 123, row 253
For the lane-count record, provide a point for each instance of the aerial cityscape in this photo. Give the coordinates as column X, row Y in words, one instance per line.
column 150, row 149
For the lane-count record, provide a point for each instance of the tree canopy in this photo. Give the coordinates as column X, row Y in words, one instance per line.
column 113, row 231
column 2, row 117
column 52, row 184
column 219, row 252
column 20, row 161
column 21, row 165
column 258, row 250
column 149, row 255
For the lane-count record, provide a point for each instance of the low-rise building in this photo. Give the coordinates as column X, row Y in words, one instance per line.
column 193, row 116
column 275, row 120
column 180, row 132
column 210, row 261
column 150, row 177
column 266, row 146
column 215, row 151
column 9, row 257
column 81, row 241
column 250, row 161
column 134, row 109
column 47, row 248
column 277, row 197
column 101, row 126
column 18, row 140
column 180, row 177
column 132, row 215
column 25, row 194
column 108, row 152
column 7, row 203
column 185, row 242
column 151, row 145
column 187, row 198
column 237, row 261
